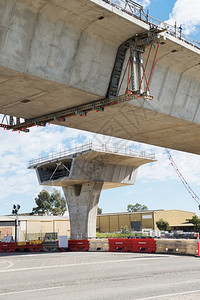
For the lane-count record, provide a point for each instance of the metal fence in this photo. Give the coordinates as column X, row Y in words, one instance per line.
column 105, row 147
column 135, row 10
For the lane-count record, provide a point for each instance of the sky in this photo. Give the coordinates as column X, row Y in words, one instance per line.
column 157, row 185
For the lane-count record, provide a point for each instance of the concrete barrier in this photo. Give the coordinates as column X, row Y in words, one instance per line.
column 176, row 246
column 99, row 245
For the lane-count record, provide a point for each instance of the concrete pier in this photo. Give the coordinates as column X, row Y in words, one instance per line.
column 82, row 203
column 83, row 173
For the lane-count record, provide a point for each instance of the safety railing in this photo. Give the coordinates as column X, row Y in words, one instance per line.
column 135, row 10
column 108, row 148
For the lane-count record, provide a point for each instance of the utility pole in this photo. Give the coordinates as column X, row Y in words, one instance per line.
column 15, row 212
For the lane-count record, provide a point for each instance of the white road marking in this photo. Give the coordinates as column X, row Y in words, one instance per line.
column 32, row 291
column 170, row 295
column 80, row 264
column 10, row 264
column 24, row 257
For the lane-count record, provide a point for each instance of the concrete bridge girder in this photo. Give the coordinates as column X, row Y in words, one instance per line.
column 65, row 50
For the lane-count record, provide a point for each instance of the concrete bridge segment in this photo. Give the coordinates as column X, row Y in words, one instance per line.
column 83, row 173
column 59, row 54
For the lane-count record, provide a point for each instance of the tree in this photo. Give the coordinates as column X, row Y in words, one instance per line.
column 162, row 225
column 47, row 203
column 99, row 211
column 136, row 207
column 125, row 230
column 58, row 203
column 196, row 221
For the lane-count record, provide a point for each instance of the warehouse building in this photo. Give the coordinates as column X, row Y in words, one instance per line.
column 177, row 219
column 35, row 227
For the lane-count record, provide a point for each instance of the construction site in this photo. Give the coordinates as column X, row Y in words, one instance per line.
column 105, row 67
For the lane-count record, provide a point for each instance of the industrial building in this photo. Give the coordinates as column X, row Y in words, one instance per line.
column 35, row 227
column 112, row 222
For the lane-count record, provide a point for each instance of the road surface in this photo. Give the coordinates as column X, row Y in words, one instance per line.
column 99, row 275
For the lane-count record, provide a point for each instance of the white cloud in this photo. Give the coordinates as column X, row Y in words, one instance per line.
column 144, row 3
column 186, row 13
column 162, row 170
column 21, row 185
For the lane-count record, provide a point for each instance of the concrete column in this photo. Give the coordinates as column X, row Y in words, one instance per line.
column 82, row 200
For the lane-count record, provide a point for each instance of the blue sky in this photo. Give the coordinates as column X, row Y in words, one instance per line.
column 157, row 184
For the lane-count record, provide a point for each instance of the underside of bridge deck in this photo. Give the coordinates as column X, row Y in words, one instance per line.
column 56, row 55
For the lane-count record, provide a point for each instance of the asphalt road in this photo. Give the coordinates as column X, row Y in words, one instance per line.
column 99, row 275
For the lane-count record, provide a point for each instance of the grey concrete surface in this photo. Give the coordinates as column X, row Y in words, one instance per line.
column 83, row 174
column 82, row 206
column 99, row 276
column 62, row 50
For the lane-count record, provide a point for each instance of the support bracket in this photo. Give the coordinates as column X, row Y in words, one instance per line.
column 136, row 44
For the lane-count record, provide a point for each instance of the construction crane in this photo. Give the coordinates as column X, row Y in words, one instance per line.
column 186, row 185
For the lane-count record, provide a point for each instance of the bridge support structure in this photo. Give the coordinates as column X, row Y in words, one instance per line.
column 82, row 174
column 82, row 201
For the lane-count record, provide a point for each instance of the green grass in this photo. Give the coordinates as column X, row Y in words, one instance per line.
column 118, row 235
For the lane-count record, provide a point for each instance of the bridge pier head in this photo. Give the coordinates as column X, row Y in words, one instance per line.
column 82, row 201
column 82, row 174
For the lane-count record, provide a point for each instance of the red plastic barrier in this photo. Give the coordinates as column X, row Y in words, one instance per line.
column 117, row 245
column 8, row 247
column 36, row 248
column 63, row 249
column 22, row 248
column 14, row 247
column 78, row 245
column 132, row 245
column 143, row 245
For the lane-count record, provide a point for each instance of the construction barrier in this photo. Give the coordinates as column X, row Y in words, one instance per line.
column 179, row 246
column 143, row 245
column 35, row 247
column 35, row 242
column 50, row 246
column 8, row 247
column 32, row 246
column 132, row 245
column 78, row 245
column 22, row 247
column 117, row 245
column 192, row 248
column 98, row 245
